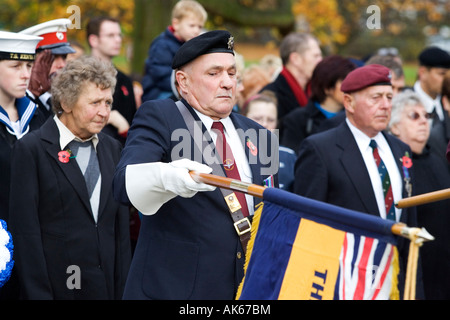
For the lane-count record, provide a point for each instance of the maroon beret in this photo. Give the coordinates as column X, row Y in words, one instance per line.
column 366, row 76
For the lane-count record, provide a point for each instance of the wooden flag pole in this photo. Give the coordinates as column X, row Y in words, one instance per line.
column 423, row 198
column 399, row 229
column 228, row 183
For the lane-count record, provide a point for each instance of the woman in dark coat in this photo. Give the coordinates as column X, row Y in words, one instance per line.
column 71, row 237
column 410, row 123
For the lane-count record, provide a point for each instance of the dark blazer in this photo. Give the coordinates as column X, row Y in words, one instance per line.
column 301, row 123
column 41, row 107
column 7, row 142
column 286, row 99
column 10, row 290
column 285, row 96
column 189, row 249
column 439, row 138
column 53, row 226
column 330, row 168
column 434, row 175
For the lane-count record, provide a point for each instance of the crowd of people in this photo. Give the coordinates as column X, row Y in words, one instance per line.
column 96, row 186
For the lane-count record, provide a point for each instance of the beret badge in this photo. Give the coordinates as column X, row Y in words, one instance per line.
column 230, row 43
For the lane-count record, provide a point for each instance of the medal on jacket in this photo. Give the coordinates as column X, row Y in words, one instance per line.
column 406, row 164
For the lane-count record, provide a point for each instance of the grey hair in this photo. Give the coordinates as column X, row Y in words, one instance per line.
column 68, row 83
column 400, row 102
column 294, row 42
column 389, row 62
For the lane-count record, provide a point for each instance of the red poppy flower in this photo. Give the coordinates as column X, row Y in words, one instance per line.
column 252, row 147
column 63, row 156
column 407, row 162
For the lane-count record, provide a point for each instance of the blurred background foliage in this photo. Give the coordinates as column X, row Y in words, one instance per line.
column 257, row 25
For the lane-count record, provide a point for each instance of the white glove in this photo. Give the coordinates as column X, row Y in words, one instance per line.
column 175, row 177
column 150, row 185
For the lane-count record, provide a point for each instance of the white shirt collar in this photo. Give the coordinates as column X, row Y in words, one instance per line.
column 66, row 136
column 427, row 101
column 363, row 140
column 207, row 121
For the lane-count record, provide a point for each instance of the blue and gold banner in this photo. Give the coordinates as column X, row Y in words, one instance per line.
column 302, row 249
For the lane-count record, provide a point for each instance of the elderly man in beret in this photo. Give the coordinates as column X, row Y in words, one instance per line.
column 193, row 236
column 338, row 166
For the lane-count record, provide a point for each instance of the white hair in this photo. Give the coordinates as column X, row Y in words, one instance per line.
column 400, row 102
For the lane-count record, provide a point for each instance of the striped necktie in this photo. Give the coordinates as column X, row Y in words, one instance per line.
column 228, row 161
column 385, row 182
column 88, row 162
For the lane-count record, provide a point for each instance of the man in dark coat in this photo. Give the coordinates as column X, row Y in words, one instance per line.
column 192, row 239
column 300, row 53
column 105, row 40
column 338, row 167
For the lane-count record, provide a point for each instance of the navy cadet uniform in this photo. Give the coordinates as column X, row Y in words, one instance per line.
column 14, row 46
column 54, row 34
column 188, row 246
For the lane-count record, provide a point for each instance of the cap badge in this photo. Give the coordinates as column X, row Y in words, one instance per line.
column 59, row 35
column 230, row 43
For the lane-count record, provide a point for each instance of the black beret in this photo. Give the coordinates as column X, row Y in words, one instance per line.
column 366, row 76
column 435, row 57
column 208, row 42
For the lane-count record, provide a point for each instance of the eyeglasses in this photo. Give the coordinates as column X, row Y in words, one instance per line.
column 415, row 115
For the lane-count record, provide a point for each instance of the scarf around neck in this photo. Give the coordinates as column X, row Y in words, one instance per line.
column 300, row 95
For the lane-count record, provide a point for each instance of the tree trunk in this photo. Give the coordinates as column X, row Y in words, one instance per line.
column 150, row 19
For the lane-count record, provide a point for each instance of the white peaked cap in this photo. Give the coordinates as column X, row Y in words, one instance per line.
column 16, row 46
column 48, row 27
column 54, row 33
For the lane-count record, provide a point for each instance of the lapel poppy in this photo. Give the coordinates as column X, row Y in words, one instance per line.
column 65, row 155
column 251, row 146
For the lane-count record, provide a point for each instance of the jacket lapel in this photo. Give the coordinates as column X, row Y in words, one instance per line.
column 106, row 169
column 71, row 170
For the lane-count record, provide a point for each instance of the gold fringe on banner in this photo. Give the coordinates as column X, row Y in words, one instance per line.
column 253, row 230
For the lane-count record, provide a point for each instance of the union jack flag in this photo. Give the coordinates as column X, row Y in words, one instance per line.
column 365, row 269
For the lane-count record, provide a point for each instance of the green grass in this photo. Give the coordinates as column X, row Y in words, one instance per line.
column 122, row 63
column 410, row 70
